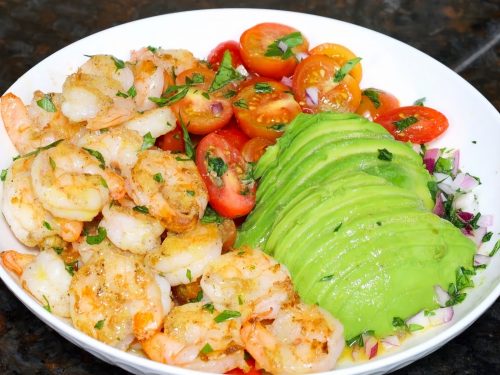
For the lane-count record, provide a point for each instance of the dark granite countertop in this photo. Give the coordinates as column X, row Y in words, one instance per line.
column 462, row 34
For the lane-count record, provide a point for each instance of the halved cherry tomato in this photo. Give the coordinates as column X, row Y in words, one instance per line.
column 255, row 148
column 215, row 56
column 200, row 111
column 172, row 141
column 263, row 109
column 316, row 91
column 233, row 135
column 255, row 43
column 341, row 55
column 375, row 102
column 251, row 371
column 231, row 190
column 415, row 124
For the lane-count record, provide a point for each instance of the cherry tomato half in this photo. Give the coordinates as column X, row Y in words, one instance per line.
column 415, row 124
column 252, row 371
column 233, row 135
column 172, row 141
column 316, row 91
column 255, row 148
column 215, row 56
column 263, row 109
column 200, row 111
column 259, row 40
column 341, row 55
column 231, row 191
column 375, row 102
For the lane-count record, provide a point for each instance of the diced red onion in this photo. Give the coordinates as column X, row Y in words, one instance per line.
column 419, row 319
column 445, row 183
column 464, row 182
column 465, row 202
column 301, row 56
column 441, row 316
column 465, row 216
column 371, row 347
column 282, row 46
column 478, row 234
column 439, row 206
column 430, row 158
column 287, row 81
column 456, row 162
column 442, row 295
column 480, row 260
column 241, row 69
column 312, row 95
column 216, row 108
column 390, row 341
column 485, row 221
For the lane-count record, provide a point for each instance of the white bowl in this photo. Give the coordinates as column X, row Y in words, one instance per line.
column 387, row 64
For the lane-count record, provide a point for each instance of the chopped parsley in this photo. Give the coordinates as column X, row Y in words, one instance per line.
column 240, row 300
column 398, row 322
column 99, row 324
column 373, row 95
column 241, row 103
column 46, row 104
column 206, row 349
column 131, row 92
column 190, row 193
column 52, row 163
column 327, row 278
column 188, row 144
column 209, row 307
column 227, row 315
column 47, row 225
column 188, row 275
column 263, row 88
column 288, row 41
column 3, row 175
column 206, row 95
column 103, row 182
column 148, row 141
column 216, row 165
column 358, row 340
column 211, row 216
column 97, row 239
column 495, row 248
column 229, row 94
column 198, row 298
column 47, row 304
column 37, row 151
column 96, row 154
column 70, row 267
column 152, row 49
column 141, row 209
column 158, row 177
column 420, row 102
column 225, row 74
column 171, row 95
column 487, row 237
column 119, row 64
column 58, row 250
column 345, row 69
column 443, row 165
column 384, row 154
column 278, row 127
column 405, row 123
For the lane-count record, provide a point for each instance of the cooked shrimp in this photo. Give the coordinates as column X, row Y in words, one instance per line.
column 250, row 281
column 301, row 339
column 30, row 127
column 131, row 230
column 86, row 251
column 30, row 222
column 183, row 257
column 172, row 60
column 191, row 338
column 170, row 187
column 108, row 66
column 148, row 82
column 118, row 146
column 115, row 298
column 157, row 121
column 70, row 183
column 44, row 276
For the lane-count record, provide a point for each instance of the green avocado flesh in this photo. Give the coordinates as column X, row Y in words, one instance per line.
column 356, row 231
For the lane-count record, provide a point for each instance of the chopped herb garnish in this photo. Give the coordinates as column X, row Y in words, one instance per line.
column 420, row 102
column 227, row 315
column 487, row 237
column 58, row 250
column 206, row 349
column 414, row 327
column 209, row 307
column 141, row 209
column 122, row 94
column 288, row 41
column 225, row 74
column 429, row 313
column 188, row 275
column 152, row 49
column 172, row 95
column 379, row 223
column 433, row 188
column 206, row 95
column 198, row 298
column 373, row 95
column 384, row 154
column 70, row 267
column 158, row 177
column 148, row 141
column 345, row 69
column 195, row 79
column 119, row 64
column 99, row 324
column 46, row 104
column 278, row 127
column 3, row 175
column 211, row 216
column 398, row 322
column 337, row 227
column 190, row 192
column 495, row 248
column 47, row 225
column 97, row 239
column 443, row 165
column 52, row 163
column 188, row 144
column 240, row 300
column 327, row 278
column 405, row 123
column 455, row 296
column 47, row 304
column 229, row 94
column 216, row 165
column 241, row 103
column 37, row 151
column 178, row 158
column 263, row 88
column 103, row 182
column 96, row 154
column 463, row 278
column 356, row 340
column 131, row 92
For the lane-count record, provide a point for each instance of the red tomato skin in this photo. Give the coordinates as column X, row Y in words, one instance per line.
column 233, row 135
column 215, row 56
column 367, row 109
column 226, row 199
column 252, row 371
column 172, row 141
column 431, row 124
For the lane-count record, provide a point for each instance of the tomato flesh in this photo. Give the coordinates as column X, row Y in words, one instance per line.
column 215, row 56
column 255, row 42
column 231, row 192
column 255, row 148
column 423, row 124
column 233, row 135
column 172, row 141
column 264, row 113
column 375, row 102
column 341, row 55
column 316, row 91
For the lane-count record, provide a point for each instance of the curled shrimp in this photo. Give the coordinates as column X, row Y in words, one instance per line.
column 301, row 339
column 115, row 298
column 148, row 83
column 109, row 66
column 191, row 338
column 248, row 280
column 170, row 187
column 30, row 222
column 70, row 183
column 30, row 127
column 131, row 230
column 173, row 61
column 45, row 277
column 183, row 257
column 157, row 121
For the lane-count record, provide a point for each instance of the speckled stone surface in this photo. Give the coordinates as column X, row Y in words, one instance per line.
column 463, row 35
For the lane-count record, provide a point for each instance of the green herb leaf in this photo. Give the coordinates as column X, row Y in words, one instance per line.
column 327, row 278
column 373, row 95
column 47, row 225
column 190, row 192
column 263, row 88
column 119, row 64
column 152, row 49
column 278, row 127
column 47, row 305
column 433, row 188
column 3, row 175
column 46, row 104
column 227, row 315
column 405, row 123
column 345, row 69
column 414, row 327
column 195, row 79
column 229, row 94
column 290, row 41
column 158, row 177
column 495, row 248
column 198, row 298
column 211, row 216
column 420, row 102
column 103, row 182
column 96, row 154
column 70, row 267
column 37, row 151
column 122, row 94
column 99, row 324
column 58, row 250
column 241, row 103
column 173, row 94
column 240, row 300
column 443, row 165
column 206, row 349
column 356, row 340
column 398, row 322
column 141, row 209
column 148, row 141
column 188, row 275
column 216, row 165
column 384, row 154
column 97, row 239
column 188, row 144
column 206, row 95
column 225, row 74
column 487, row 237
column 209, row 307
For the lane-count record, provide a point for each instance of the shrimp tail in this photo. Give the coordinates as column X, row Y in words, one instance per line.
column 15, row 261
